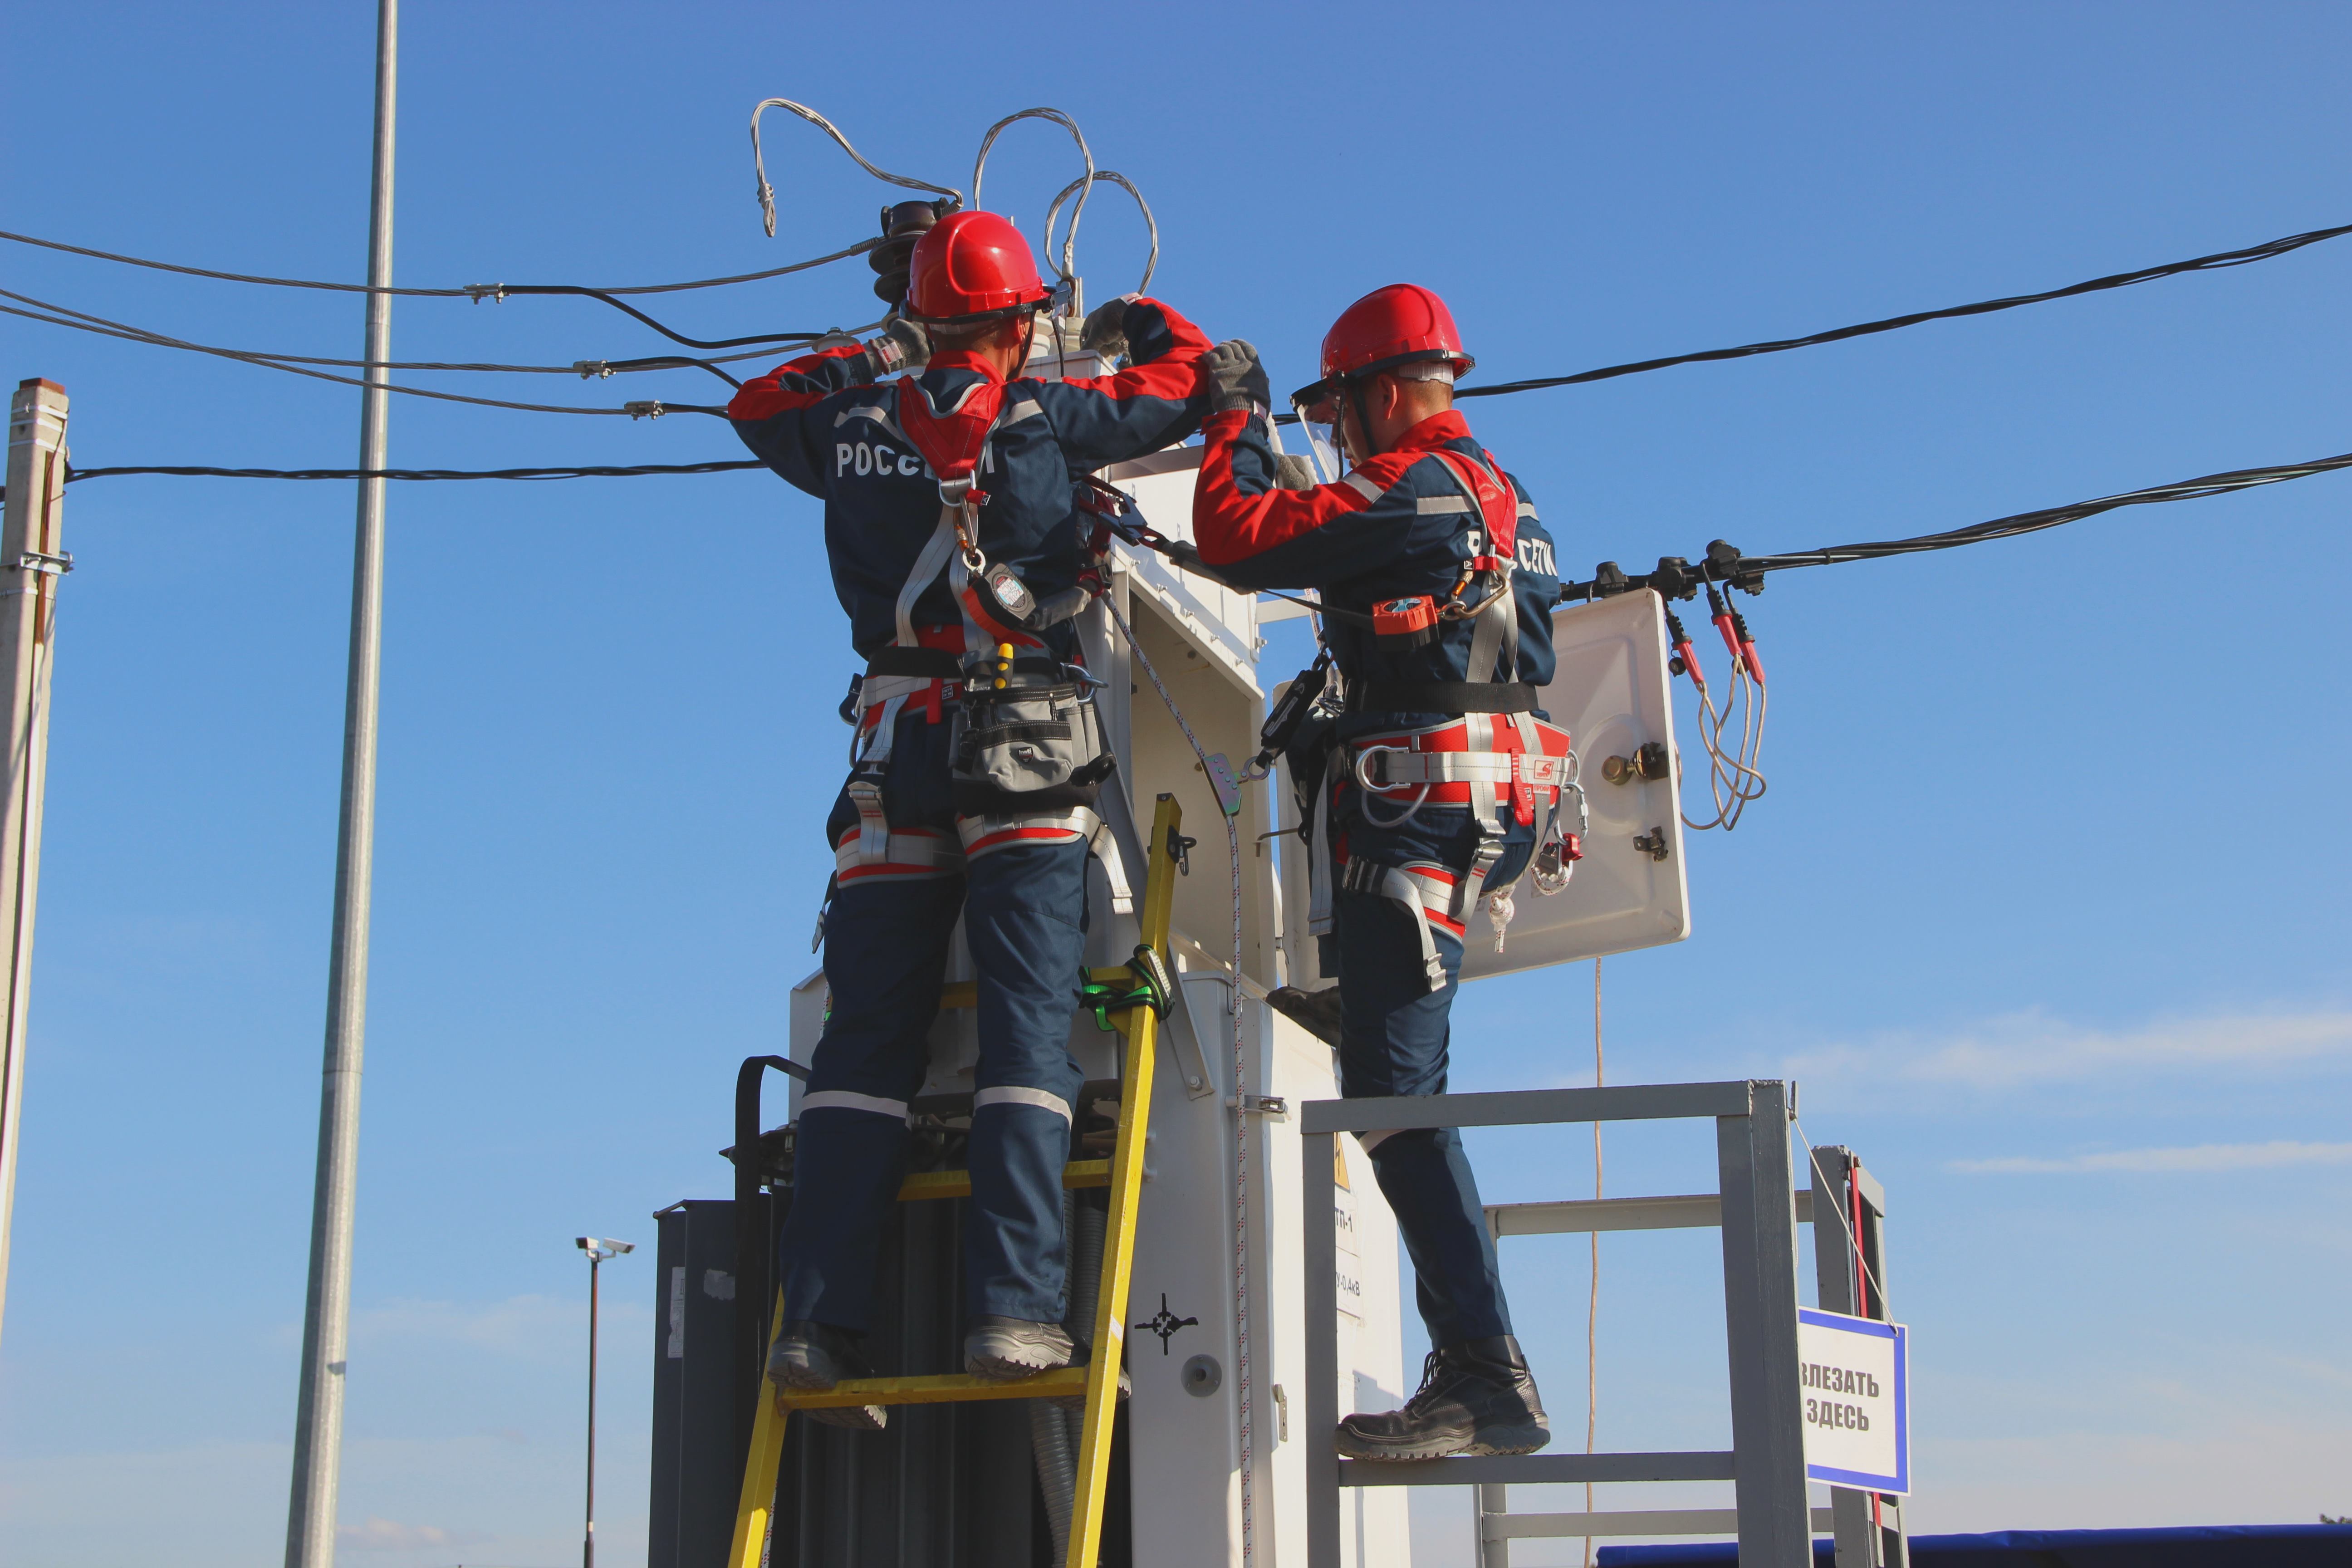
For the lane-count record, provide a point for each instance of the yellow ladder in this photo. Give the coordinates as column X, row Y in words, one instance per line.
column 1098, row 1379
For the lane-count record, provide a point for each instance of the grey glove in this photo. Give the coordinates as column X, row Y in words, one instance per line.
column 1106, row 327
column 1235, row 378
column 1292, row 472
column 902, row 345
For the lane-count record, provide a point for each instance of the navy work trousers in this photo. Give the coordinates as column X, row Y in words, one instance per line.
column 1393, row 1038
column 885, row 950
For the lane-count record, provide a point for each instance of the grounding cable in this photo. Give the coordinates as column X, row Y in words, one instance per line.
column 1241, row 1097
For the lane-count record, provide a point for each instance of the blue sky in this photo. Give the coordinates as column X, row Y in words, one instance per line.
column 2046, row 890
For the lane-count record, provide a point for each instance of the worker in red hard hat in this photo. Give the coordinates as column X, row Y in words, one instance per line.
column 1436, row 786
column 956, row 551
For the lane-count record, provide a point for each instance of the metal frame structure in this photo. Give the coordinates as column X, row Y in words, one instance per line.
column 1757, row 1210
column 1852, row 1279
column 1098, row 1381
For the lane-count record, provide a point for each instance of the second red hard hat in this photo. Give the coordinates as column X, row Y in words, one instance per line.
column 973, row 264
column 1391, row 326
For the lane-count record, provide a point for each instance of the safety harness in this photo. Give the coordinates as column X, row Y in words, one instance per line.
column 926, row 666
column 1497, row 758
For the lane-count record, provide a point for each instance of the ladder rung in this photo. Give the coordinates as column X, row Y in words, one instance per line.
column 958, row 1183
column 941, row 1389
column 966, row 993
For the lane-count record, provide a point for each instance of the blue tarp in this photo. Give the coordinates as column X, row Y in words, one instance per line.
column 2198, row 1546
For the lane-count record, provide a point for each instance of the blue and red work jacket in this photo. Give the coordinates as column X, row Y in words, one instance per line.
column 1395, row 526
column 818, row 422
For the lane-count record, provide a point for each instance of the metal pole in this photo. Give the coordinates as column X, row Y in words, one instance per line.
column 32, row 557
column 588, row 1541
column 319, row 1421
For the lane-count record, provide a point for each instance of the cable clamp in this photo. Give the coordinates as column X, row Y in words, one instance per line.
column 1272, row 1105
column 494, row 292
column 650, row 410
column 592, row 369
column 51, row 565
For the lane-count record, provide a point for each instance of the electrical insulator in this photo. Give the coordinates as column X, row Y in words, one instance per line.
column 893, row 259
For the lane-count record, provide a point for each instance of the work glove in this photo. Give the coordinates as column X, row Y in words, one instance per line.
column 901, row 345
column 1106, row 327
column 1235, row 378
column 1292, row 472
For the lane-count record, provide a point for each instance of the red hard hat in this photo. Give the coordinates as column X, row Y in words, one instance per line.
column 973, row 264
column 1391, row 326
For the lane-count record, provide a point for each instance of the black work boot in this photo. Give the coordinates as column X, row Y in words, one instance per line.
column 1476, row 1398
column 811, row 1358
column 1316, row 1012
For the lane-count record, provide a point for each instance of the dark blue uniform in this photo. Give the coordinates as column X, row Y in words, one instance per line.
column 912, row 850
column 1399, row 526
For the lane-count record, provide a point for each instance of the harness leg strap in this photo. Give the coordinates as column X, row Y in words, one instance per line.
column 873, row 827
column 1366, row 876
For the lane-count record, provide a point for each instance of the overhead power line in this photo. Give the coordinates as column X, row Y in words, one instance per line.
column 471, row 291
column 1678, row 578
column 630, row 471
column 2213, row 263
column 81, row 320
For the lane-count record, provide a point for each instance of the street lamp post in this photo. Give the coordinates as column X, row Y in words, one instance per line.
column 598, row 1249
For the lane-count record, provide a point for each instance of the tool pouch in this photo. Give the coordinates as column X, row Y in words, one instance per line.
column 1025, row 737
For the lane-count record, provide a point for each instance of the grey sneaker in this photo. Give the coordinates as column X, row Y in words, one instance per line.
column 812, row 1357
column 1006, row 1348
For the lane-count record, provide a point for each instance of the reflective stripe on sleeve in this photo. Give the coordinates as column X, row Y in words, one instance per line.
column 1364, row 486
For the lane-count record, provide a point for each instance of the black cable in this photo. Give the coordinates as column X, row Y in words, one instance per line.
column 82, row 321
column 501, row 290
column 2263, row 252
column 75, row 476
column 1675, row 578
column 475, row 290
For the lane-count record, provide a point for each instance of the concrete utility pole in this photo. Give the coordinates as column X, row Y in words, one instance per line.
column 32, row 559
column 326, row 1320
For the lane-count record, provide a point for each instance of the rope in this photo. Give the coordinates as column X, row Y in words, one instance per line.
column 767, row 193
column 472, row 290
column 1241, row 1106
column 1593, row 1306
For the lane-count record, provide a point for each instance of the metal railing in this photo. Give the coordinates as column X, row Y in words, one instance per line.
column 1755, row 1207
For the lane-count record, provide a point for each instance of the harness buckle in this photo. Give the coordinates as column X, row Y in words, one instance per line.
column 1365, row 780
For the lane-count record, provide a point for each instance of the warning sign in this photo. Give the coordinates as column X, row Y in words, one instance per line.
column 1853, row 1375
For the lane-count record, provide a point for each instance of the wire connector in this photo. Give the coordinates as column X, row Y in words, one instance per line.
column 650, row 409
column 592, row 369
column 496, row 293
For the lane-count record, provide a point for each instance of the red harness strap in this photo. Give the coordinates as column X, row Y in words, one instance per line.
column 952, row 443
column 1499, row 504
